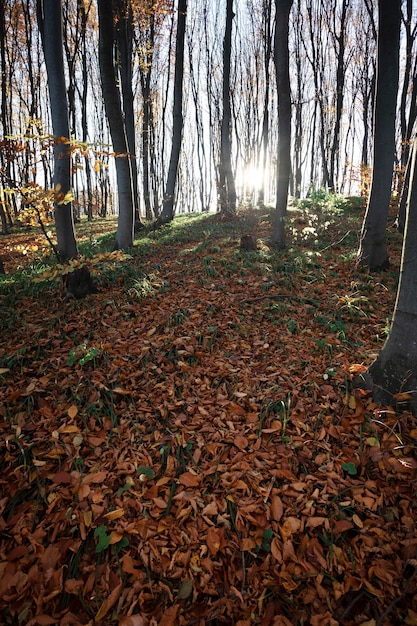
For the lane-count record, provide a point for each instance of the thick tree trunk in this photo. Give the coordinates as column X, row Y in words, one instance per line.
column 281, row 57
column 50, row 22
column 227, row 188
column 167, row 212
column 113, row 107
column 395, row 369
column 373, row 247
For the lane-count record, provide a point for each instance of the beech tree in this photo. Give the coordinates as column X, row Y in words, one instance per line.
column 50, row 25
column 373, row 247
column 227, row 189
column 282, row 65
column 113, row 107
column 167, row 212
column 124, row 36
column 393, row 375
column 146, row 45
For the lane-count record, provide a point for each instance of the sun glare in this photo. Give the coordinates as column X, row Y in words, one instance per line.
column 251, row 181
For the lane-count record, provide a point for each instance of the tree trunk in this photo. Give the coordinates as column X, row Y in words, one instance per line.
column 281, row 57
column 146, row 51
column 113, row 107
column 84, row 98
column 227, row 189
column 50, row 23
column 395, row 369
column 167, row 212
column 340, row 89
column 373, row 247
column 267, row 45
column 124, row 33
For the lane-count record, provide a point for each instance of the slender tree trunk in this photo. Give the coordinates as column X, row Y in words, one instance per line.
column 113, row 107
column 340, row 89
column 124, row 33
column 227, row 189
column 299, row 156
column 83, row 10
column 167, row 212
column 266, row 11
column 373, row 251
column 4, row 113
column 282, row 65
column 146, row 50
column 395, row 369
column 50, row 23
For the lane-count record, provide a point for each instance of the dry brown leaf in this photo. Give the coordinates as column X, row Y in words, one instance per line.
column 188, row 479
column 277, row 508
column 132, row 620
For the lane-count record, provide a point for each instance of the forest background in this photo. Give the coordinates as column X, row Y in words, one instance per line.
column 256, row 486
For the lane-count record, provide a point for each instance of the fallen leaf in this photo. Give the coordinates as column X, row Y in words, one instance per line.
column 188, row 479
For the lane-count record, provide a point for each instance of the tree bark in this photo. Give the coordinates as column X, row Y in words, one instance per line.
column 267, row 45
column 395, row 369
column 227, row 188
column 146, row 51
column 83, row 11
column 167, row 212
column 124, row 34
column 50, row 24
column 113, row 107
column 340, row 89
column 282, row 66
column 373, row 252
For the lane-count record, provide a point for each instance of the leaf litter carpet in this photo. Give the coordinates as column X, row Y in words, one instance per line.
column 184, row 448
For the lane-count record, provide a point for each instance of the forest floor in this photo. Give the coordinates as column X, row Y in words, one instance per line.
column 183, row 447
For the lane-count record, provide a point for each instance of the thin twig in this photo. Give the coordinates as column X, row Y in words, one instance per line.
column 271, row 297
column 336, row 242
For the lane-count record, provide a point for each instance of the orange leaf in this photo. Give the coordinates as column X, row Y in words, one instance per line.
column 72, row 411
column 277, row 508
column 241, row 442
column 313, row 522
column 83, row 492
column 114, row 514
column 160, row 503
column 189, row 480
column 109, row 602
column 214, row 540
column 341, row 526
column 247, row 544
column 97, row 477
column 276, row 549
column 72, row 585
column 356, row 367
column 121, row 391
column 132, row 620
column 45, row 620
column 128, row 566
column 211, row 509
column 169, row 616
column 62, row 478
